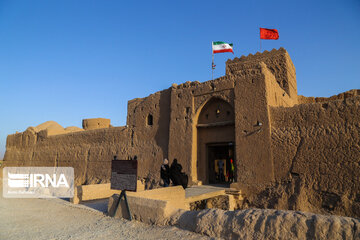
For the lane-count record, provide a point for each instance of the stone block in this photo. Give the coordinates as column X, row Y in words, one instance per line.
column 97, row 191
column 151, row 211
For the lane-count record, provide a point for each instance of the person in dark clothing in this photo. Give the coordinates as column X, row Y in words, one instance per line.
column 175, row 166
column 165, row 173
column 175, row 169
column 176, row 176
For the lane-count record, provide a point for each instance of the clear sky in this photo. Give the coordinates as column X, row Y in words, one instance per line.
column 67, row 60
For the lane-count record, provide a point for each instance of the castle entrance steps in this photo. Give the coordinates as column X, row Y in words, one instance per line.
column 203, row 193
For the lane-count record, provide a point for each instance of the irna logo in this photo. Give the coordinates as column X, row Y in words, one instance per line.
column 38, row 182
column 16, row 180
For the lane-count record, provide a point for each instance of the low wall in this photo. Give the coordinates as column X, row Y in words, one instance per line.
column 151, row 211
column 88, row 152
column 341, row 96
column 174, row 195
column 266, row 224
column 151, row 206
column 97, row 191
column 242, row 224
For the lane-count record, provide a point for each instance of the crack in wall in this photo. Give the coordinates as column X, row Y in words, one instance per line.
column 132, row 137
column 296, row 154
column 57, row 160
column 86, row 167
column 32, row 156
column 354, row 229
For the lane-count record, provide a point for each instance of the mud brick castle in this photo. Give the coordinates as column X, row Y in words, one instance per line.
column 289, row 151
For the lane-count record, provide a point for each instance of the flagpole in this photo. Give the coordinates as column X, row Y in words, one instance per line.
column 260, row 40
column 212, row 64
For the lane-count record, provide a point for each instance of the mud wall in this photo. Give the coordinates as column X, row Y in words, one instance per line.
column 277, row 61
column 89, row 152
column 148, row 119
column 254, row 167
column 341, row 96
column 95, row 123
column 276, row 96
column 187, row 101
column 258, row 85
column 316, row 154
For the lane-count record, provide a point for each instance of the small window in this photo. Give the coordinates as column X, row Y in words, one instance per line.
column 150, row 120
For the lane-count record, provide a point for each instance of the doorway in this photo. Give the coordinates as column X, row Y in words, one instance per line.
column 215, row 140
column 219, row 156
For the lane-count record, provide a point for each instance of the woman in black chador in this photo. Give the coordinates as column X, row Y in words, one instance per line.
column 165, row 173
column 176, row 176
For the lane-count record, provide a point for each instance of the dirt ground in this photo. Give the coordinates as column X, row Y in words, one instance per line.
column 59, row 219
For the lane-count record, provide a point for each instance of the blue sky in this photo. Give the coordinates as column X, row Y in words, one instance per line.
column 69, row 60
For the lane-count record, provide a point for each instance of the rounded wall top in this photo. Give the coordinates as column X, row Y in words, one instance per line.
column 95, row 123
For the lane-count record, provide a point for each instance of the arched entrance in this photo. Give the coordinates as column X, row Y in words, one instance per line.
column 215, row 141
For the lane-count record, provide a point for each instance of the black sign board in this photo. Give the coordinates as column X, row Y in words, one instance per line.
column 124, row 175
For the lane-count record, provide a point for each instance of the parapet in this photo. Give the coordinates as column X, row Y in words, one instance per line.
column 277, row 61
column 95, row 123
column 341, row 96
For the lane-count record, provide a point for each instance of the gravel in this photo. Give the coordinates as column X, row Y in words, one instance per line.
column 59, row 219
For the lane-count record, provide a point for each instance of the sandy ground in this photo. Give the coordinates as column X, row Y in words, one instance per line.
column 59, row 219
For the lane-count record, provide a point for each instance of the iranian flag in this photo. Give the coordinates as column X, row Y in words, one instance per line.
column 220, row 47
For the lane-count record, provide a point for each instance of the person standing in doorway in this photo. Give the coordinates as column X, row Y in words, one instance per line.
column 231, row 171
column 221, row 170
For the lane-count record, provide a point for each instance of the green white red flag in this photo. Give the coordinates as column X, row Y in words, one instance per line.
column 220, row 47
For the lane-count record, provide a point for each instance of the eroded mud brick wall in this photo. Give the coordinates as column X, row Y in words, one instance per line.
column 261, row 81
column 89, row 152
column 187, row 102
column 148, row 120
column 316, row 146
column 250, row 85
column 95, row 123
column 277, row 61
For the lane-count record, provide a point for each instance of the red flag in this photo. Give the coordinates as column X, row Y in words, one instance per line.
column 269, row 34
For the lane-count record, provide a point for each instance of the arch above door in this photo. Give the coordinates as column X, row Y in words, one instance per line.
column 215, row 135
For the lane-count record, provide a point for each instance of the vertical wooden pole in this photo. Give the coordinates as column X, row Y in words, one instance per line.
column 123, row 195
column 212, row 63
